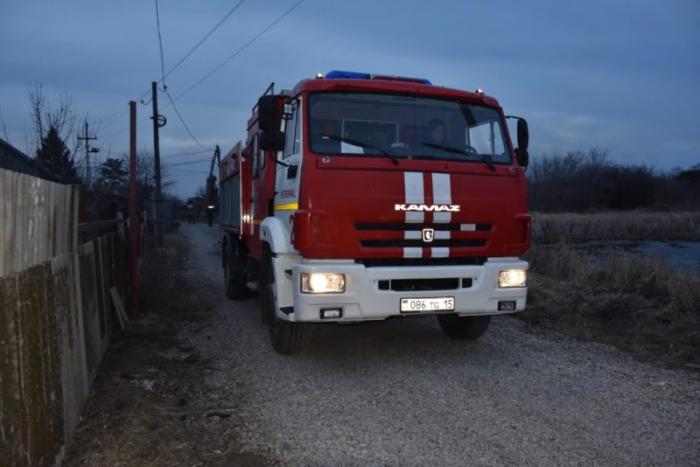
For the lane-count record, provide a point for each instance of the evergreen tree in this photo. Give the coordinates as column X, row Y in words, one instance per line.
column 54, row 156
column 112, row 173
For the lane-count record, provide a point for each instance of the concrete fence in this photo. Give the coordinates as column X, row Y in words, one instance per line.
column 56, row 316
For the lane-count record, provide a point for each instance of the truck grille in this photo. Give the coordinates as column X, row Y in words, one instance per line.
column 390, row 243
column 400, row 227
column 397, row 235
column 420, row 285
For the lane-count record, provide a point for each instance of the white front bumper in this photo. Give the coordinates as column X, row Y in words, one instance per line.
column 363, row 300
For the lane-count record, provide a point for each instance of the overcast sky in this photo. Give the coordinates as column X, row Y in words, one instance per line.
column 617, row 75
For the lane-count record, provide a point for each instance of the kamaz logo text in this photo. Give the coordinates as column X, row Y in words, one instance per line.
column 427, row 207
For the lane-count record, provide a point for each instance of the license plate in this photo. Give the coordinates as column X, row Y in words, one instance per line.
column 416, row 305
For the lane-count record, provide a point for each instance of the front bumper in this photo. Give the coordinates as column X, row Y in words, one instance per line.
column 363, row 299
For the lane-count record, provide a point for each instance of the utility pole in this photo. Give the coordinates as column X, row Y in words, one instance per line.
column 87, row 138
column 158, row 121
column 134, row 224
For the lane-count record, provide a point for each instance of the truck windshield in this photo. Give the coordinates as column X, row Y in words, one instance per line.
column 405, row 127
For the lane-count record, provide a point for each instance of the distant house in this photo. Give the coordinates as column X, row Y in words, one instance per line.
column 13, row 159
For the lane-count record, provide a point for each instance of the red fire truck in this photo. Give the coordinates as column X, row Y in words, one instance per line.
column 359, row 197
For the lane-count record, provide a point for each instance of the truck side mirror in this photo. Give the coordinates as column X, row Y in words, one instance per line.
column 523, row 134
column 269, row 114
column 272, row 140
column 523, row 142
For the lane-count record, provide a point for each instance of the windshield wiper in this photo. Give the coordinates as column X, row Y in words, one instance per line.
column 361, row 144
column 462, row 152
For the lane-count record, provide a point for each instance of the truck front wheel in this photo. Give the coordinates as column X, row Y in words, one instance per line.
column 464, row 327
column 287, row 337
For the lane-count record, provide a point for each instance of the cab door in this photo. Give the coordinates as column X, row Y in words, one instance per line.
column 289, row 170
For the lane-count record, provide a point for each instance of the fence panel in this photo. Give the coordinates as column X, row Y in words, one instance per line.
column 38, row 220
column 55, row 316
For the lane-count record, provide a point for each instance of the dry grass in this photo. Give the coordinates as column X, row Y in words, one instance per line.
column 639, row 304
column 177, row 419
column 684, row 292
column 629, row 225
column 646, row 275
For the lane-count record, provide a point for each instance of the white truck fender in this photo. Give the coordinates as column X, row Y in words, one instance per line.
column 277, row 235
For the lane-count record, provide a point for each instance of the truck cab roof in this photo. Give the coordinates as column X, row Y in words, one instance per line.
column 390, row 84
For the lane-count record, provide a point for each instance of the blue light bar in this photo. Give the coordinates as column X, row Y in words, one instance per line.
column 338, row 74
column 405, row 79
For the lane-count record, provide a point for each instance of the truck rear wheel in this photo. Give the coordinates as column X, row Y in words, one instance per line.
column 464, row 327
column 234, row 274
column 287, row 337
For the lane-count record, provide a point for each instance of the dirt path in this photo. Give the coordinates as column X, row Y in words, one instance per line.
column 397, row 392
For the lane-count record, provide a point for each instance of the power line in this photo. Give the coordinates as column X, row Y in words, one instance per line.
column 165, row 87
column 182, row 120
column 187, row 171
column 194, row 153
column 237, row 52
column 195, row 47
column 160, row 44
column 113, row 118
column 115, row 133
column 206, row 36
column 165, row 74
column 215, row 69
column 199, row 161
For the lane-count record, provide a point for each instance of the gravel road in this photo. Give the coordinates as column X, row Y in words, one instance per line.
column 400, row 392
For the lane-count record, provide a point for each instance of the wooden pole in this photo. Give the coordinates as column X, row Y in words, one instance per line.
column 157, row 221
column 134, row 224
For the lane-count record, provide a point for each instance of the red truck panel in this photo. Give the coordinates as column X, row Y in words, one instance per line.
column 348, row 208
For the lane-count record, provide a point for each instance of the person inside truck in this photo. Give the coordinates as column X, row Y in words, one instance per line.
column 437, row 132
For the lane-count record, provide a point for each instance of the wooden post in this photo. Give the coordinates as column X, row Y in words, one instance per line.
column 158, row 215
column 134, row 225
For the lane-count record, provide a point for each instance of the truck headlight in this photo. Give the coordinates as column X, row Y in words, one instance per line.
column 512, row 278
column 322, row 282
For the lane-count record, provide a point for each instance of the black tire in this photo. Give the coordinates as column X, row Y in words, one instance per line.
column 234, row 275
column 287, row 337
column 464, row 327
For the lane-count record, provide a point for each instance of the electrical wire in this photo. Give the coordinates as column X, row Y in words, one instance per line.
column 184, row 124
column 160, row 45
column 165, row 87
column 114, row 118
column 215, row 69
column 199, row 161
column 194, row 153
column 240, row 50
column 198, row 173
column 203, row 39
column 187, row 171
column 165, row 74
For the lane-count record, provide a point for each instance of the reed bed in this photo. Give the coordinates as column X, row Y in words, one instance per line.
column 639, row 304
column 615, row 226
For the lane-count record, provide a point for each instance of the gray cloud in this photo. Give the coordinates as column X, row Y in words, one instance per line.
column 594, row 74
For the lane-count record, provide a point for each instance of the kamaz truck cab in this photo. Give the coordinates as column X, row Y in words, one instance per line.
column 360, row 197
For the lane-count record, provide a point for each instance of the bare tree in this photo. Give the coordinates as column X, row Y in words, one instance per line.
column 44, row 115
column 580, row 181
column 145, row 173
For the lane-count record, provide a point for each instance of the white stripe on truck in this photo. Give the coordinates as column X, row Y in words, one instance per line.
column 414, row 193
